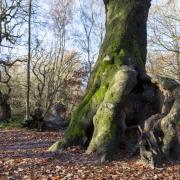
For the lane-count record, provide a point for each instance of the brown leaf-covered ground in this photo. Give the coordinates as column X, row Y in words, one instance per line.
column 23, row 155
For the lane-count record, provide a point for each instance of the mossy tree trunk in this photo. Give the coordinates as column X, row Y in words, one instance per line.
column 119, row 94
column 123, row 49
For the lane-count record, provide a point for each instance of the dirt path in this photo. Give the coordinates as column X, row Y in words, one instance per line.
column 23, row 143
column 23, row 155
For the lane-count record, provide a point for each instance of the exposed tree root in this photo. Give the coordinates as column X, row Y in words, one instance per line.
column 133, row 100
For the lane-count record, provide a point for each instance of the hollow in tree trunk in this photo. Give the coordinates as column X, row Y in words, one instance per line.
column 120, row 96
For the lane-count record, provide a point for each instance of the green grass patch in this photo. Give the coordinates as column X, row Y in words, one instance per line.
column 178, row 123
column 15, row 122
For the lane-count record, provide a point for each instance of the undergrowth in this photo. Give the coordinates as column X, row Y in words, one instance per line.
column 15, row 122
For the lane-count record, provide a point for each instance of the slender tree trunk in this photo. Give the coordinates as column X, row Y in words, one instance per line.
column 28, row 63
column 120, row 96
column 1, row 8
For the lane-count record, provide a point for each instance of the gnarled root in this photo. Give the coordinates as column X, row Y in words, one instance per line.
column 109, row 117
column 159, row 137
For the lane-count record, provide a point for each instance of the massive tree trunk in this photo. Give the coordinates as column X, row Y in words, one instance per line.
column 120, row 96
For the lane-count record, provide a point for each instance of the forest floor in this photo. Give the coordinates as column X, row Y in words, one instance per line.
column 23, row 155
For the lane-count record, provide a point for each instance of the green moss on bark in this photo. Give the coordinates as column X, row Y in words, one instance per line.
column 104, row 139
column 124, row 44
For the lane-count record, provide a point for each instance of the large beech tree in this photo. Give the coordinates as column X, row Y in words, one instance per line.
column 121, row 98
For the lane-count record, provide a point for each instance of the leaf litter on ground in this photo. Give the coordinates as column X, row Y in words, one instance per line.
column 24, row 155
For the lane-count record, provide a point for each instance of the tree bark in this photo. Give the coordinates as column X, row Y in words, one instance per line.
column 5, row 109
column 28, row 62
column 120, row 96
column 124, row 46
column 159, row 138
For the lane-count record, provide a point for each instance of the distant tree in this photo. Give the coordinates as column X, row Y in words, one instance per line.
column 164, row 40
column 90, row 34
column 54, row 80
column 28, row 61
column 6, row 87
column 11, row 18
column 53, row 69
column 18, row 84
